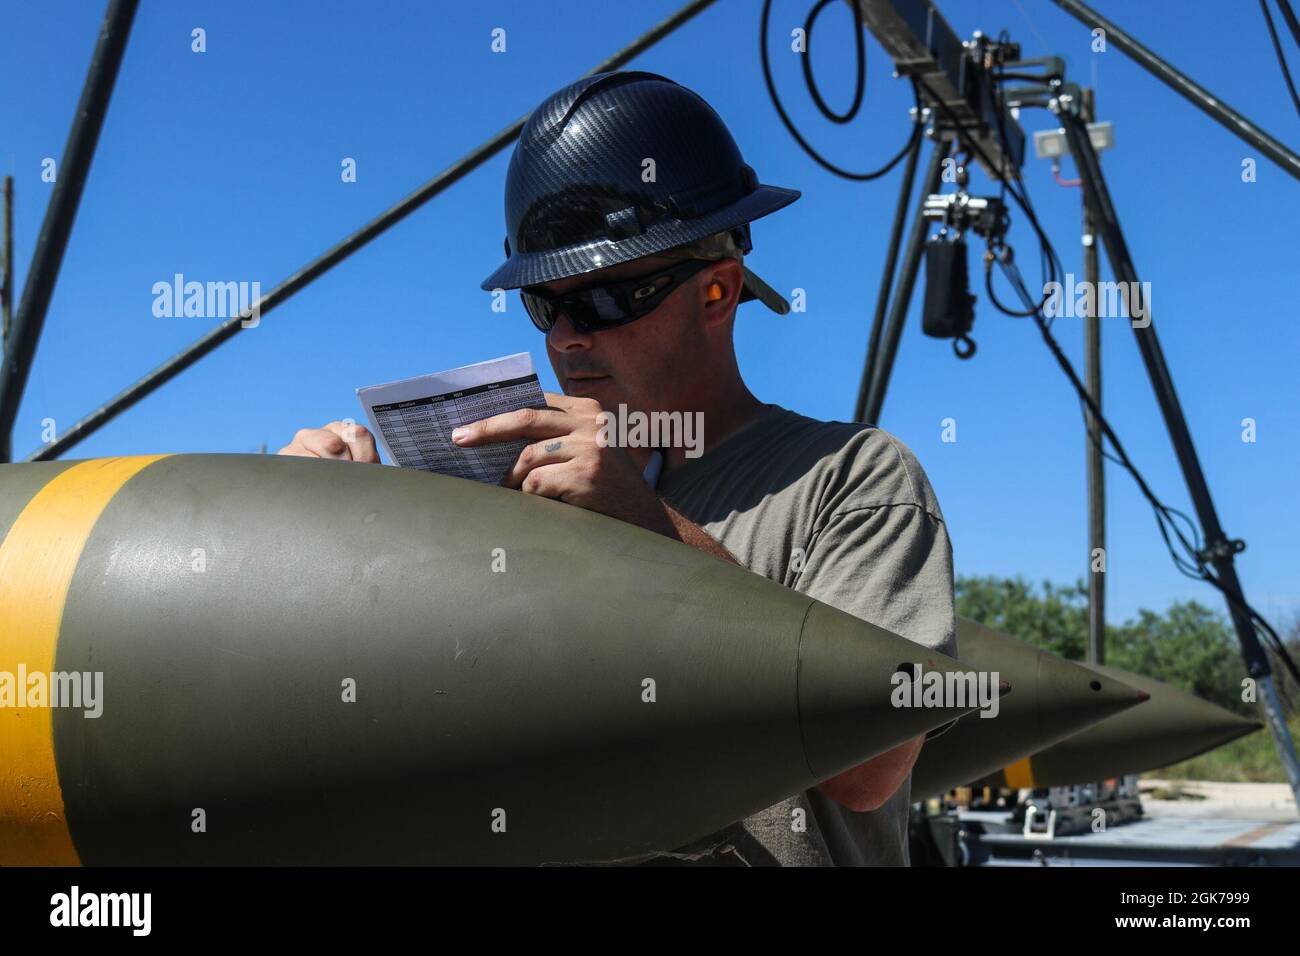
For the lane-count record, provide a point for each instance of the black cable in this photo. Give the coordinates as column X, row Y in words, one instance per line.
column 1163, row 512
column 1050, row 266
column 999, row 249
column 1015, row 193
column 860, row 84
column 1196, row 569
column 1281, row 57
column 1005, row 259
column 912, row 141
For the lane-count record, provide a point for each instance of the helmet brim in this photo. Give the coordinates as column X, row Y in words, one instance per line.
column 535, row 268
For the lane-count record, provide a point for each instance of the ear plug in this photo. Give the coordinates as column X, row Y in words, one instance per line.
column 715, row 291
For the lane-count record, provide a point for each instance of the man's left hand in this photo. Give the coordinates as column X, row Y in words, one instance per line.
column 566, row 460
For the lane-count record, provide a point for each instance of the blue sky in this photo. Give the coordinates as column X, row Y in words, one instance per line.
column 226, row 166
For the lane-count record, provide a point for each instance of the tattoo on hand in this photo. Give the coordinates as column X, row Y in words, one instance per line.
column 554, row 446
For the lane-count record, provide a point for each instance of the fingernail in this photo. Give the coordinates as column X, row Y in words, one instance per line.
column 459, row 433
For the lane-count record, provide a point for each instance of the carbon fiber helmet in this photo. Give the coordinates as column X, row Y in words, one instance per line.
column 577, row 195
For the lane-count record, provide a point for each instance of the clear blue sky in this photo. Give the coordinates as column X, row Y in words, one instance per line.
column 225, row 166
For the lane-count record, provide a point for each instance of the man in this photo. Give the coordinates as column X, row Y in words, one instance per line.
column 628, row 210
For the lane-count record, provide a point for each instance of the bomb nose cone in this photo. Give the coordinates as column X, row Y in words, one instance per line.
column 1071, row 691
column 1057, row 698
column 863, row 690
column 1171, row 726
column 1183, row 724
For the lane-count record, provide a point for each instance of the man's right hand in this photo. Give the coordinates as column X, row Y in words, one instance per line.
column 343, row 440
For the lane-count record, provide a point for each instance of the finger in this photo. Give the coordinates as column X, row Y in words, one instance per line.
column 573, row 403
column 546, row 452
column 560, row 400
column 361, row 444
column 531, row 423
column 548, row 481
column 297, row 450
column 323, row 443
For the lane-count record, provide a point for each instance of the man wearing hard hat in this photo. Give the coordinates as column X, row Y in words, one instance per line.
column 627, row 211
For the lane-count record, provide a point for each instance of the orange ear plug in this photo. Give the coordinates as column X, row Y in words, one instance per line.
column 715, row 291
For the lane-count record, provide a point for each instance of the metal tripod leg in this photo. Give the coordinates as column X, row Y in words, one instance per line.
column 887, row 278
column 875, row 380
column 73, row 169
column 1219, row 549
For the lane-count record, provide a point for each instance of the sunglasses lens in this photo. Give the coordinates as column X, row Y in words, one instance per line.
column 587, row 311
column 541, row 311
column 606, row 307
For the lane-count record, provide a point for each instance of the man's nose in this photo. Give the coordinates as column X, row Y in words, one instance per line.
column 563, row 337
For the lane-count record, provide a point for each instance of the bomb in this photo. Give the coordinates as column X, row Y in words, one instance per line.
column 1054, row 699
column 1172, row 726
column 319, row 662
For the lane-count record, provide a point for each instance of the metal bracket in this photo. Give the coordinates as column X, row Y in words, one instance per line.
column 1046, row 831
column 1222, row 548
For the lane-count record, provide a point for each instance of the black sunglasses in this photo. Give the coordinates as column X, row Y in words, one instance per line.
column 606, row 306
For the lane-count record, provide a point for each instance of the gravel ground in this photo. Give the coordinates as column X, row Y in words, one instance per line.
column 1236, row 801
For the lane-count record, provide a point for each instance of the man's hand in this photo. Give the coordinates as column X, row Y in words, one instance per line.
column 566, row 461
column 343, row 440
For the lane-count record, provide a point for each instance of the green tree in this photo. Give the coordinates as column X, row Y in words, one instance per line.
column 1189, row 646
column 1056, row 620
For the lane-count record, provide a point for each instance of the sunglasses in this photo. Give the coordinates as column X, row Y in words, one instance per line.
column 600, row 307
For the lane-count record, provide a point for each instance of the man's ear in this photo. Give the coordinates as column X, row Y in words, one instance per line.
column 723, row 282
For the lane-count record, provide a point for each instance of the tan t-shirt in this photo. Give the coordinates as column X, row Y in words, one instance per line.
column 844, row 513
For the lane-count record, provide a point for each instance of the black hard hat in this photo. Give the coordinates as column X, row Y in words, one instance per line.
column 577, row 198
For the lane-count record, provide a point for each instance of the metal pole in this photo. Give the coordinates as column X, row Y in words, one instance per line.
column 1197, row 95
column 887, row 278
column 372, row 230
column 1289, row 16
column 1096, row 462
column 7, row 298
column 1219, row 550
column 7, row 286
column 903, row 296
column 53, row 240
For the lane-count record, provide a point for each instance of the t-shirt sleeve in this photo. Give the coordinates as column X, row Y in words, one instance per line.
column 890, row 565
